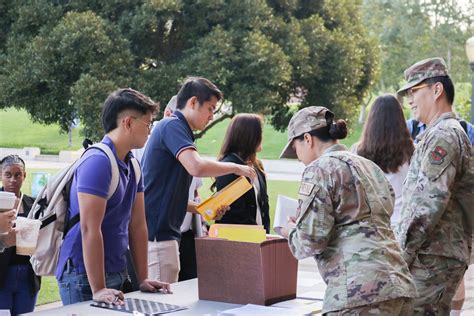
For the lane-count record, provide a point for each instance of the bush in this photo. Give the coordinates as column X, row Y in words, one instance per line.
column 462, row 100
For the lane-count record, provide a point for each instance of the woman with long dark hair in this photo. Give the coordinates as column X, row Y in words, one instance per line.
column 242, row 141
column 386, row 141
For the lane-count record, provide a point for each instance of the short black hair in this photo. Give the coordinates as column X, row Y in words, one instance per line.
column 122, row 100
column 448, row 86
column 199, row 87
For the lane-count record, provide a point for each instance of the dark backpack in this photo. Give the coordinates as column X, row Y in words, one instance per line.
column 415, row 129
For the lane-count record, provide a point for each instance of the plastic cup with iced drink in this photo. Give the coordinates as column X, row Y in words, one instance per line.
column 27, row 231
column 7, row 201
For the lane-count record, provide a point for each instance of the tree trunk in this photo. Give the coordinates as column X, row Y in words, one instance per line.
column 209, row 126
column 363, row 108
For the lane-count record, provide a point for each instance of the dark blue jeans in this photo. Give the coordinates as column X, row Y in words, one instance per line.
column 74, row 287
column 16, row 294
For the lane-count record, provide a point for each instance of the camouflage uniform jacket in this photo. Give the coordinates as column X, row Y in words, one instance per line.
column 438, row 194
column 343, row 219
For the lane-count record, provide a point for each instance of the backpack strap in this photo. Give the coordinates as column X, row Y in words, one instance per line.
column 463, row 125
column 113, row 182
column 136, row 169
column 415, row 129
column 70, row 224
column 114, row 167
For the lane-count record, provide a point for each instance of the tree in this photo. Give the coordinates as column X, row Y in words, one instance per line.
column 62, row 58
column 412, row 30
column 44, row 74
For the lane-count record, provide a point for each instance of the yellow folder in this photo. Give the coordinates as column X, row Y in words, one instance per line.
column 226, row 196
column 246, row 233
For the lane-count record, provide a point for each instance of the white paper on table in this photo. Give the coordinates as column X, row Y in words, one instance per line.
column 285, row 207
column 305, row 306
column 313, row 309
column 251, row 309
column 312, row 295
column 298, row 303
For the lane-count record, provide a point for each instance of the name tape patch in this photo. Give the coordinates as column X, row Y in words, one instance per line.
column 306, row 188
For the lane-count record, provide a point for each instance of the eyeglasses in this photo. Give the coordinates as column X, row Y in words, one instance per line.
column 149, row 125
column 416, row 88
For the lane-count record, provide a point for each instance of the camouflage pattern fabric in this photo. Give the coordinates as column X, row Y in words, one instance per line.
column 437, row 211
column 343, row 220
column 399, row 306
column 438, row 196
column 436, row 279
column 422, row 70
column 304, row 121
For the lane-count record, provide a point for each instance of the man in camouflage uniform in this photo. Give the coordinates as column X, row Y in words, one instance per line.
column 343, row 220
column 436, row 227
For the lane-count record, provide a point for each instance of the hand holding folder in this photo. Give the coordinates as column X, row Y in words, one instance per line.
column 226, row 196
column 220, row 212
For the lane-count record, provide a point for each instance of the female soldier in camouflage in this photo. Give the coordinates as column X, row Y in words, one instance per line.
column 343, row 220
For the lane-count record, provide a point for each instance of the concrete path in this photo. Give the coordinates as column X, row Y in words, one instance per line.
column 287, row 170
column 468, row 307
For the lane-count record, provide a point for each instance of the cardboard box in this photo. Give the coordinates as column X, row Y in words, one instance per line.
column 246, row 273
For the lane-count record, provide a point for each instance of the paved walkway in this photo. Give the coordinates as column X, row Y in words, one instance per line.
column 287, row 170
column 468, row 307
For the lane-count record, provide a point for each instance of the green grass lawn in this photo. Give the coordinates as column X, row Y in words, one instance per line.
column 49, row 290
column 49, row 287
column 18, row 131
column 273, row 141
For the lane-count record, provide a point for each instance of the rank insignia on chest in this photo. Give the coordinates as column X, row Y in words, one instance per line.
column 437, row 155
column 306, row 188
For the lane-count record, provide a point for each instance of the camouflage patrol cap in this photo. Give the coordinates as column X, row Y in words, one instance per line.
column 422, row 70
column 304, row 121
column 172, row 103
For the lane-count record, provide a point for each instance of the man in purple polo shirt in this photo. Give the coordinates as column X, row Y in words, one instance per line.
column 92, row 262
column 169, row 163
